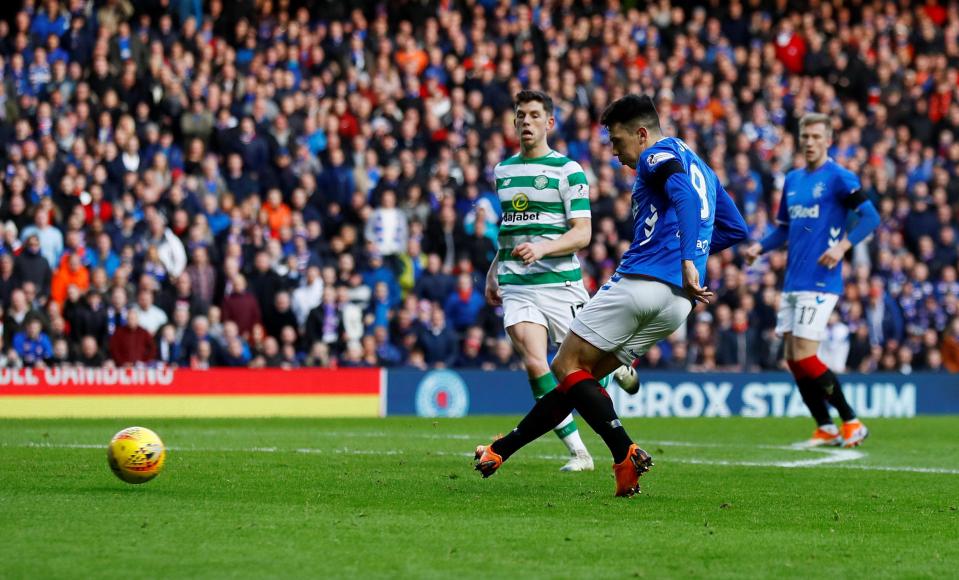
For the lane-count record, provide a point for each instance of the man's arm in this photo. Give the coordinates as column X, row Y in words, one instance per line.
column 780, row 235
column 729, row 228
column 492, row 284
column 574, row 240
column 868, row 221
column 774, row 239
column 684, row 198
column 686, row 201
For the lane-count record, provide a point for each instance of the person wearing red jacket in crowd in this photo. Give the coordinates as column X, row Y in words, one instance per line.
column 790, row 48
column 241, row 307
column 96, row 207
column 132, row 344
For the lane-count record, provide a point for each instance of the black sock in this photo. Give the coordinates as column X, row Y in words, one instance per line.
column 545, row 414
column 595, row 406
column 832, row 390
column 814, row 397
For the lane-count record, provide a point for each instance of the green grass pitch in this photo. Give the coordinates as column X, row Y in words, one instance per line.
column 398, row 498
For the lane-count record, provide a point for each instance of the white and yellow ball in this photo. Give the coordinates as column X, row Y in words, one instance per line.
column 136, row 454
column 627, row 378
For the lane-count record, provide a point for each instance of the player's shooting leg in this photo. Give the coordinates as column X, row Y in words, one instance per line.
column 576, row 366
column 531, row 341
column 545, row 414
column 576, row 354
column 551, row 407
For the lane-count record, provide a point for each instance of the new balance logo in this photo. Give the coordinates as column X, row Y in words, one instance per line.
column 507, row 181
column 801, row 211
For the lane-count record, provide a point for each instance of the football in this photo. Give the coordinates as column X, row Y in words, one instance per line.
column 136, row 454
column 627, row 379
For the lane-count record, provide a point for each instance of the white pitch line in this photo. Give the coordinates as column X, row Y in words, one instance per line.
column 834, row 458
column 307, row 450
column 830, row 463
column 936, row 470
column 56, row 446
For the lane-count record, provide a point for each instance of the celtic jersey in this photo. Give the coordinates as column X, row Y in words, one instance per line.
column 539, row 196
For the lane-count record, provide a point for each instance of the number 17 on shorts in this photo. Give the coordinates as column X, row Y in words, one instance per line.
column 805, row 314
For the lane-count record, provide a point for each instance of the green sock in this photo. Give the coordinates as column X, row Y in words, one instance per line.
column 566, row 430
column 542, row 385
column 547, row 383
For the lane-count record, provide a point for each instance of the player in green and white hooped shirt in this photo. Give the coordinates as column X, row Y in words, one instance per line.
column 536, row 275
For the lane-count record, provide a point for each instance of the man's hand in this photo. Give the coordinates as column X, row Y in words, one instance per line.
column 528, row 252
column 753, row 252
column 833, row 256
column 493, row 296
column 691, row 283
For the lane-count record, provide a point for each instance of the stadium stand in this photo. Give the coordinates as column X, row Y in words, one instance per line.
column 283, row 183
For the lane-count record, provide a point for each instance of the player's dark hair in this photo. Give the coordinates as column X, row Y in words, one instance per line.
column 638, row 109
column 531, row 96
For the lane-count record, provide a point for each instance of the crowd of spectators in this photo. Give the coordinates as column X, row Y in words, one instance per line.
column 282, row 183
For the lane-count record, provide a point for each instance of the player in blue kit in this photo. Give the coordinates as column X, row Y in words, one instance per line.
column 682, row 214
column 812, row 219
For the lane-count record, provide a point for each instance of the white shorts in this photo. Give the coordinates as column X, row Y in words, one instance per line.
column 805, row 314
column 629, row 315
column 550, row 306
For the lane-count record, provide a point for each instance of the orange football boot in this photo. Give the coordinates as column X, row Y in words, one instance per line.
column 627, row 471
column 487, row 460
column 853, row 433
column 824, row 436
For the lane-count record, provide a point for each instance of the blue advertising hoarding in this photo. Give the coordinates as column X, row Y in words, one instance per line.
column 457, row 393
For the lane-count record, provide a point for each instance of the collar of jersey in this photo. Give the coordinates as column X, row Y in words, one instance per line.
column 824, row 163
column 534, row 159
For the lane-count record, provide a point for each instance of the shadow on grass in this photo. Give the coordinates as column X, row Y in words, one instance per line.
column 121, row 488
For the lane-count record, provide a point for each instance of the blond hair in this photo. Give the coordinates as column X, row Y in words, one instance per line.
column 815, row 119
